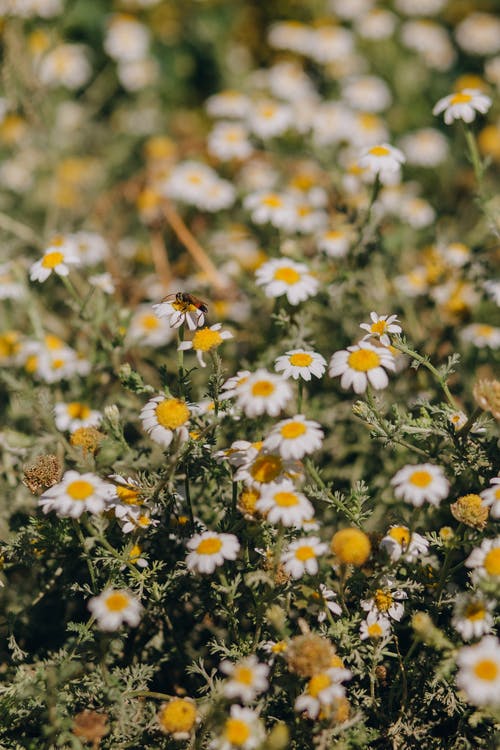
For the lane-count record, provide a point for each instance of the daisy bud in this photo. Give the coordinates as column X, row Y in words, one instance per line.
column 45, row 472
column 470, row 510
column 309, row 654
column 178, row 717
column 88, row 439
column 351, row 546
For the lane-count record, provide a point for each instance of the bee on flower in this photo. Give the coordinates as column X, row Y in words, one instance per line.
column 181, row 308
column 246, row 678
column 401, row 543
column 113, row 608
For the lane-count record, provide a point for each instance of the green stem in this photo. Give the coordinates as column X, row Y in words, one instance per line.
column 300, row 393
column 425, row 363
column 90, row 565
column 113, row 552
column 313, row 473
column 70, row 287
column 447, row 564
column 180, row 359
column 188, row 502
column 149, row 694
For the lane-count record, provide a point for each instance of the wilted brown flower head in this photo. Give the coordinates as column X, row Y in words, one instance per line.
column 469, row 509
column 309, row 654
column 487, row 395
column 43, row 473
column 91, row 726
column 88, row 439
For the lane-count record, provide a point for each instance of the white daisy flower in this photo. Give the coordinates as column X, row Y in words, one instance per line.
column 136, row 520
column 231, row 385
column 330, row 43
column 386, row 601
column 9, row 287
column 300, row 363
column 263, row 392
column 284, row 276
column 58, row 257
column 301, row 556
column 75, row 494
column 336, row 242
column 375, row 626
column 327, row 597
column 295, row 437
column 479, row 33
column 481, row 335
column 491, row 287
column 421, row 483
column 281, row 503
column 268, row 118
column 472, row 615
column 104, row 282
column 491, row 497
column 114, row 607
column 462, row 105
column 383, row 160
column 380, row 326
column 229, row 140
column 323, row 689
column 485, row 559
column 241, row 452
column 367, row 93
column 125, row 496
column 228, row 103
column 163, row 418
column 179, row 310
column 247, row 678
column 479, row 672
column 361, row 365
column 73, row 415
column 268, row 206
column 148, row 329
column 205, row 340
column 209, row 549
column 243, row 730
column 126, row 38
column 264, row 467
column 91, row 247
column 401, row 543
column 425, row 148
column 65, row 65
column 290, row 35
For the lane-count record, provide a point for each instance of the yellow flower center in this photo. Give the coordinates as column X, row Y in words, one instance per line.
column 286, row 499
column 318, row 683
column 379, row 326
column 9, row 344
column 79, row 489
column 77, row 410
column 374, row 630
column 244, row 675
column 57, row 241
column 475, row 611
column 401, row 534
column 293, row 430
column 460, row 98
column 484, row 330
column 127, row 495
column 363, row 360
column 379, row 151
column 333, row 234
column 486, row 669
column 58, row 363
column 135, row 553
column 496, row 494
column 53, row 342
column 279, row 647
column 31, row 363
column 383, row 600
column 178, row 715
column 150, row 322
column 492, row 562
column 420, row 478
column 237, row 732
column 288, row 275
column 266, row 468
column 209, row 546
column 272, row 200
column 117, row 602
column 304, row 553
column 206, row 339
column 263, row 388
column 52, row 259
column 172, row 413
column 351, row 545
column 369, row 121
column 300, row 359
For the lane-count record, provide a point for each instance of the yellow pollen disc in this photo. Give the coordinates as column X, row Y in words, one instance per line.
column 336, row 661
column 9, row 344
column 484, row 329
column 304, row 210
column 172, row 413
column 143, row 521
column 268, row 112
column 272, row 200
column 363, row 360
column 51, row 260
column 304, row 553
column 209, row 546
column 31, row 363
column 293, row 430
column 150, row 322
column 206, row 339
column 263, row 388
column 80, row 489
column 401, row 534
column 383, row 600
column 117, row 602
column 127, row 495
column 420, row 478
column 53, row 342
column 286, row 499
column 266, row 468
column 379, row 326
column 237, row 732
column 78, row 411
column 486, row 669
column 368, row 121
column 57, row 241
column 374, row 630
column 288, row 275
column 135, row 553
column 300, row 359
column 257, row 445
column 57, row 364
column 492, row 562
column 379, row 151
column 279, row 647
column 318, row 683
column 496, row 494
column 244, row 675
column 194, row 179
column 334, row 234
column 475, row 611
column 460, row 98
column 183, row 307
column 177, row 716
